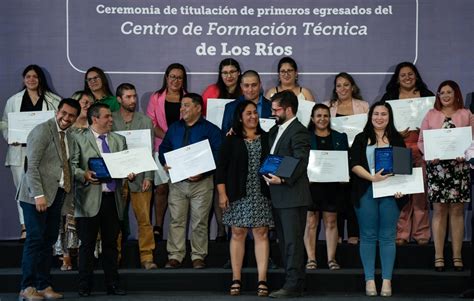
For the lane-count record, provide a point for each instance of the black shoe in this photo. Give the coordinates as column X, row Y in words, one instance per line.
column 284, row 293
column 158, row 233
column 467, row 294
column 84, row 292
column 115, row 290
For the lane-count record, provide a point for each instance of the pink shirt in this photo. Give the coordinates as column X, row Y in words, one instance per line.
column 434, row 120
column 156, row 111
column 358, row 107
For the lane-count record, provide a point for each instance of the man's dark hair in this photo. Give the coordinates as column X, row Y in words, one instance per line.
column 122, row 87
column 94, row 110
column 286, row 99
column 72, row 103
column 196, row 98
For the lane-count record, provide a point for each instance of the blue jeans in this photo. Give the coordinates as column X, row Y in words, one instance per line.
column 377, row 222
column 42, row 230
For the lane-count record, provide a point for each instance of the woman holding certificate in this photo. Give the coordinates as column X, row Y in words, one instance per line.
column 35, row 96
column 326, row 196
column 227, row 85
column 244, row 195
column 448, row 180
column 164, row 109
column 377, row 217
column 406, row 82
column 346, row 100
column 288, row 80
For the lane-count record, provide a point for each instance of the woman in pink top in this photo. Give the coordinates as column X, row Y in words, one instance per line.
column 346, row 100
column 448, row 180
column 227, row 85
column 163, row 109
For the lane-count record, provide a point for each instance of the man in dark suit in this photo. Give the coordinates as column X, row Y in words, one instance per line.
column 290, row 196
column 43, row 188
column 97, row 205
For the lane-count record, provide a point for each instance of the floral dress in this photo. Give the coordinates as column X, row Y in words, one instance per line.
column 449, row 180
column 254, row 209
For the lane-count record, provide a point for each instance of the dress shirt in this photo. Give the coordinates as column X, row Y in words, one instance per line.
column 98, row 141
column 281, row 129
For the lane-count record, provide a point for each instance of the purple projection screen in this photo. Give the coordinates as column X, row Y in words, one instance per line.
column 134, row 41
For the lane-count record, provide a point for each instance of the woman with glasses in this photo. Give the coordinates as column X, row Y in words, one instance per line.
column 448, row 180
column 227, row 85
column 288, row 80
column 406, row 82
column 164, row 109
column 346, row 100
column 96, row 83
column 34, row 96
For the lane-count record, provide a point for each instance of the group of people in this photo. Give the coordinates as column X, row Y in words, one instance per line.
column 61, row 201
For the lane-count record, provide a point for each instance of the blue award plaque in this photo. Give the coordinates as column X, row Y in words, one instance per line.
column 384, row 159
column 270, row 165
column 98, row 166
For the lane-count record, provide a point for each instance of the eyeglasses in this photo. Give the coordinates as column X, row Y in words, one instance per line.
column 277, row 109
column 230, row 73
column 288, row 71
column 175, row 78
column 92, row 79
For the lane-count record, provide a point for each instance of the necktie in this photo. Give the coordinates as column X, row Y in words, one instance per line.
column 105, row 149
column 66, row 169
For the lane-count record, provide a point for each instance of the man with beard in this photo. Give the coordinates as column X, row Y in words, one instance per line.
column 43, row 188
column 290, row 196
column 126, row 119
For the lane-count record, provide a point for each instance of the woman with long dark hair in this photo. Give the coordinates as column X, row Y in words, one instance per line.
column 227, row 85
column 406, row 82
column 288, row 80
column 244, row 195
column 164, row 109
column 97, row 84
column 377, row 216
column 34, row 96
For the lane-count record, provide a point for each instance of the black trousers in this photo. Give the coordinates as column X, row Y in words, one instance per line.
column 290, row 225
column 108, row 223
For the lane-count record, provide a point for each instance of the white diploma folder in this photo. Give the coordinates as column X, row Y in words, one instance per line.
column 215, row 110
column 406, row 184
column 328, row 166
column 266, row 123
column 20, row 124
column 351, row 125
column 304, row 111
column 121, row 164
column 446, row 144
column 190, row 160
column 137, row 138
column 409, row 113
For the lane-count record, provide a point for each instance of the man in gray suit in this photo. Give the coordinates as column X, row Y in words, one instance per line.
column 43, row 188
column 98, row 205
column 290, row 196
column 126, row 119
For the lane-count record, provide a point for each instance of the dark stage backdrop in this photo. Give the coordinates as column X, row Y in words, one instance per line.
column 134, row 41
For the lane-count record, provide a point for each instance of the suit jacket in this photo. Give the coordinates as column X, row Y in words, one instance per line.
column 44, row 163
column 88, row 197
column 139, row 122
column 294, row 142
